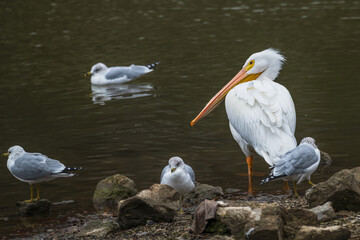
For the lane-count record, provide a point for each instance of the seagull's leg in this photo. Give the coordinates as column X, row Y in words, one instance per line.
column 286, row 186
column 311, row 183
column 249, row 161
column 181, row 201
column 38, row 192
column 295, row 191
column 31, row 195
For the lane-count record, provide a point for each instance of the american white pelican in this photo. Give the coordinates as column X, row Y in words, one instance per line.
column 261, row 112
column 297, row 164
column 180, row 176
column 102, row 75
column 35, row 168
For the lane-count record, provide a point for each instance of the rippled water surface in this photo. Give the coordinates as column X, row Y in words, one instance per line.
column 47, row 106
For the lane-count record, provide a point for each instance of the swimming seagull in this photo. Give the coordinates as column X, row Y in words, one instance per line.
column 102, row 75
column 180, row 176
column 35, row 168
column 297, row 164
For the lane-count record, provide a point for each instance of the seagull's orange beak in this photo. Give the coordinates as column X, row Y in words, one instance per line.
column 241, row 77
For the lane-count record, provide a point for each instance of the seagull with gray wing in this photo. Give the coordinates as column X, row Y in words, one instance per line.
column 103, row 75
column 35, row 168
column 297, row 164
column 180, row 176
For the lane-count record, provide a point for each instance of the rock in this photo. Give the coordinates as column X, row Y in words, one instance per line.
column 234, row 218
column 325, row 159
column 328, row 233
column 221, row 237
column 356, row 172
column 324, row 212
column 111, row 190
column 99, row 228
column 265, row 223
column 202, row 192
column 232, row 190
column 342, row 189
column 294, row 218
column 159, row 203
column 39, row 207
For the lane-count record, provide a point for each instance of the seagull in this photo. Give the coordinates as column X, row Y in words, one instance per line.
column 261, row 112
column 180, row 176
column 35, row 168
column 102, row 75
column 297, row 164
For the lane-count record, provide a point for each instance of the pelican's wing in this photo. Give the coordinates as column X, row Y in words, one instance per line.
column 263, row 115
column 191, row 172
column 31, row 167
column 296, row 161
column 166, row 169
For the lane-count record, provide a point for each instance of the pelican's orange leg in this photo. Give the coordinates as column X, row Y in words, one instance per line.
column 286, row 186
column 249, row 161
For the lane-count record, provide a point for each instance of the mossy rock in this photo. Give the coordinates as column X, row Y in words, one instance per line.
column 111, row 190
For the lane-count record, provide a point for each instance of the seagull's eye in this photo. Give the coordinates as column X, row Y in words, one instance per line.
column 178, row 164
column 251, row 62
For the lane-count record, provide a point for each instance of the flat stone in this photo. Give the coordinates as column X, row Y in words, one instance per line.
column 318, row 233
column 324, row 212
column 39, row 207
column 99, row 228
column 221, row 237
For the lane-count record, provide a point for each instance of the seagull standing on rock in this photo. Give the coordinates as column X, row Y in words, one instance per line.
column 103, row 75
column 180, row 176
column 297, row 165
column 35, row 168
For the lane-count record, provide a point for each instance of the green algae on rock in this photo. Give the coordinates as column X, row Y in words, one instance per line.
column 111, row 190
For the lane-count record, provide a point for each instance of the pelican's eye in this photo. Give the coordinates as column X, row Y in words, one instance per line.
column 250, row 65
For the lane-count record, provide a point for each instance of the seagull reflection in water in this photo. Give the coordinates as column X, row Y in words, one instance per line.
column 101, row 94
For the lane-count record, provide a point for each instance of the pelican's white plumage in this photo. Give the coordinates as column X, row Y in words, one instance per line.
column 261, row 112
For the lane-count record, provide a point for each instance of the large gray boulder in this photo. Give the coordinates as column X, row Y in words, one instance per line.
column 342, row 189
column 111, row 190
column 318, row 233
column 159, row 203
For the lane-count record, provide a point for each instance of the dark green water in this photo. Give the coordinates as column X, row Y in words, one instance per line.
column 47, row 106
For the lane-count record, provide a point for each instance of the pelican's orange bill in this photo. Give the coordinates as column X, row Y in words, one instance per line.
column 241, row 77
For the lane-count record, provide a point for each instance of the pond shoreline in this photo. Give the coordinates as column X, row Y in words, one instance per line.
column 70, row 227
